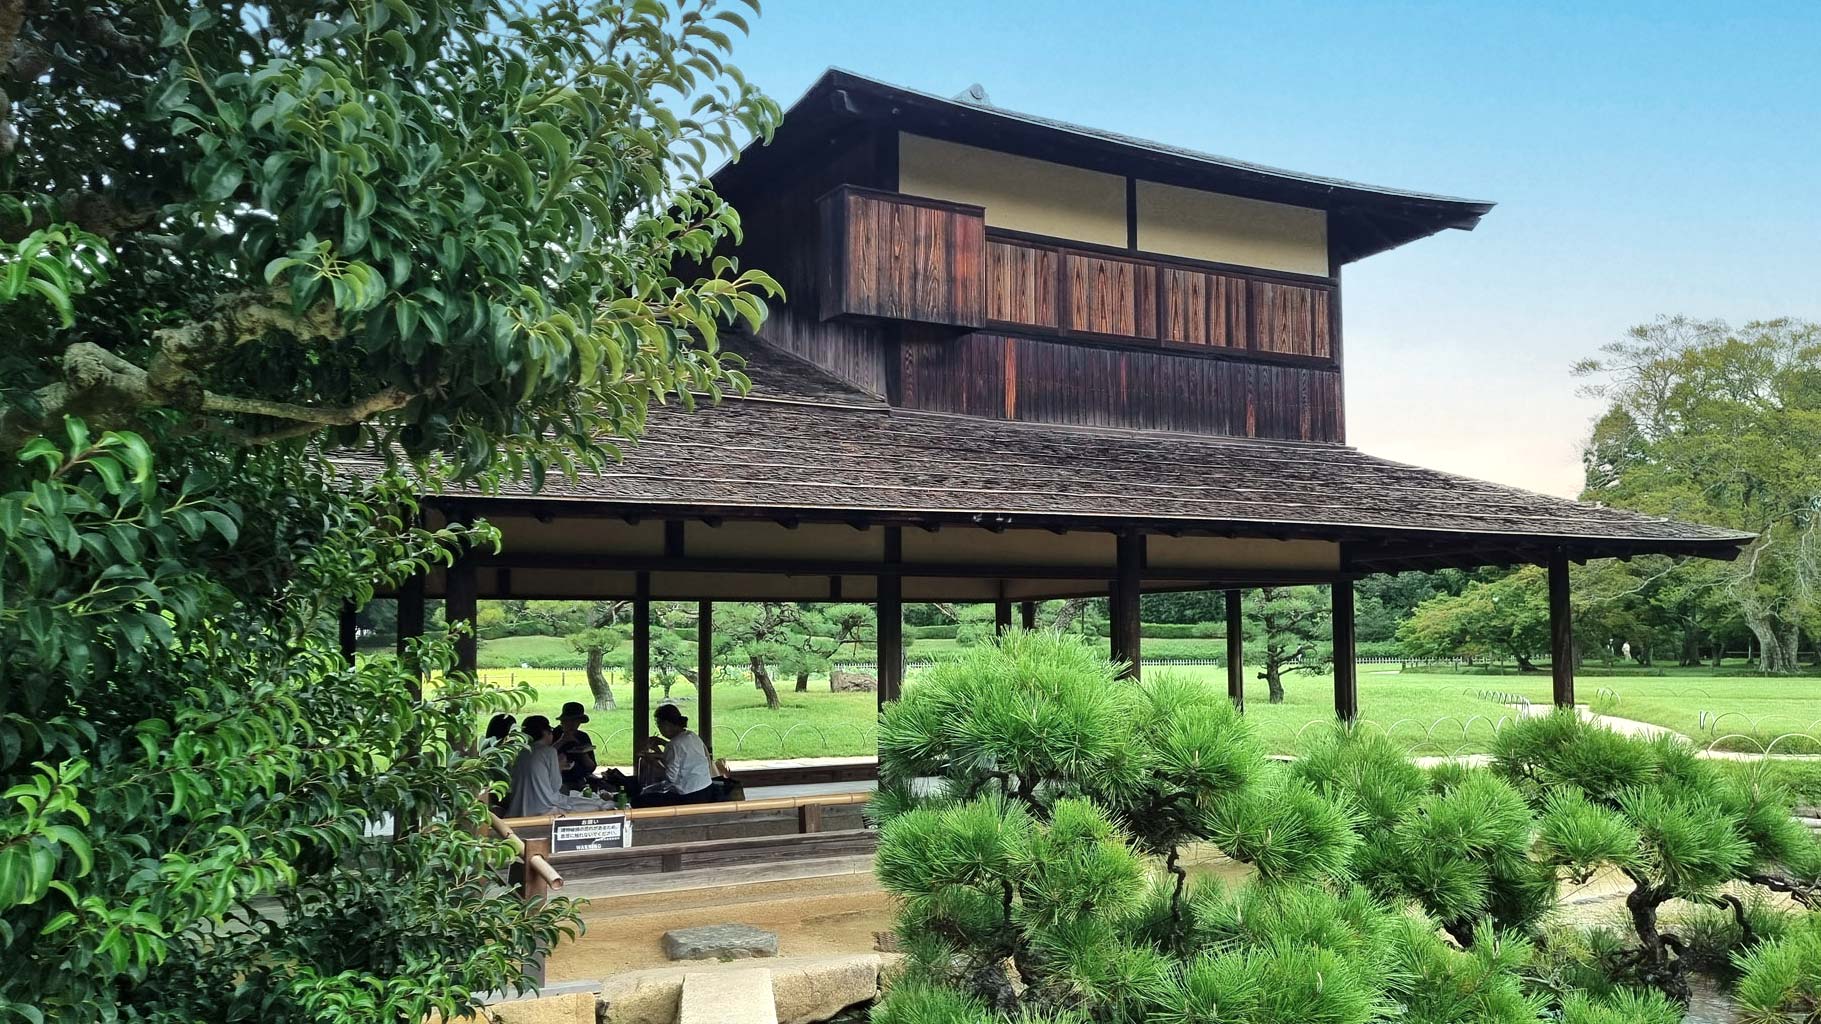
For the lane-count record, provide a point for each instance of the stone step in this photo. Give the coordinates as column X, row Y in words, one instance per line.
column 728, row 997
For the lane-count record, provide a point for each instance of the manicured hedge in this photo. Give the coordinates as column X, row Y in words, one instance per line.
column 940, row 631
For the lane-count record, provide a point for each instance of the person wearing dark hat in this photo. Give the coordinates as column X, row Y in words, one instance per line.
column 688, row 773
column 575, row 748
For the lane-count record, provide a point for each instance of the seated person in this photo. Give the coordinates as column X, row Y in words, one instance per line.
column 688, row 774
column 575, row 748
column 499, row 730
column 537, row 782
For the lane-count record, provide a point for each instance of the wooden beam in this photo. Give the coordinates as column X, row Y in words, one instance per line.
column 932, row 570
column 350, row 630
column 641, row 666
column 673, row 538
column 1125, row 601
column 1027, row 614
column 1236, row 649
column 1561, row 630
column 705, row 673
column 1346, row 670
column 890, row 632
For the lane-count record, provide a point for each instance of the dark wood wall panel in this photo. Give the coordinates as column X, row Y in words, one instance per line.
column 1021, row 284
column 1291, row 319
column 895, row 258
column 783, row 237
column 1109, row 296
column 1044, row 381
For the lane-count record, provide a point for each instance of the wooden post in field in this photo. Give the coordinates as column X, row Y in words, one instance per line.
column 1027, row 614
column 1002, row 617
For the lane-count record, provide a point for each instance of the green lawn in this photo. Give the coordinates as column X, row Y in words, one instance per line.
column 1428, row 712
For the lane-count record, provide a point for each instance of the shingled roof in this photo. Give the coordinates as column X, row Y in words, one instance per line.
column 805, row 444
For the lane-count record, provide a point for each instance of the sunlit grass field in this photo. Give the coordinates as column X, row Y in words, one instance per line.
column 1429, row 713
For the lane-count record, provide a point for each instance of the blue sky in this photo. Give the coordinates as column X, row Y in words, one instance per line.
column 1647, row 158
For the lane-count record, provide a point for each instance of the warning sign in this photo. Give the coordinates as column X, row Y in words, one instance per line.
column 589, row 832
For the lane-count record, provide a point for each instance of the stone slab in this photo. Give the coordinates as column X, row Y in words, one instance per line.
column 803, row 987
column 574, row 1008
column 728, row 997
column 719, row 942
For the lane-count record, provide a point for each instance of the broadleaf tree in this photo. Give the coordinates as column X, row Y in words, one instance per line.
column 1713, row 424
column 469, row 238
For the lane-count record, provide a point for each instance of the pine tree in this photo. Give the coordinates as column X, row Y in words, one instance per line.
column 1674, row 824
column 1033, row 811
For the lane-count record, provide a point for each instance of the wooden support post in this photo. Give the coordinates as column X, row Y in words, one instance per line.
column 1236, row 650
column 809, row 818
column 1346, row 672
column 1027, row 614
column 641, row 665
column 1125, row 601
column 461, row 606
column 705, row 673
column 1002, row 616
column 1561, row 630
column 890, row 632
column 350, row 630
column 535, row 887
column 410, row 621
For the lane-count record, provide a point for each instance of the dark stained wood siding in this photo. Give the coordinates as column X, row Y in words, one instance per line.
column 1290, row 319
column 783, row 237
column 1067, row 333
column 901, row 258
column 1021, row 282
column 1055, row 381
column 1143, row 298
column 1109, row 296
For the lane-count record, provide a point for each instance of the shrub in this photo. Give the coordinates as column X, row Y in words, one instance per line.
column 1677, row 826
column 939, row 631
column 1039, row 876
column 1780, row 980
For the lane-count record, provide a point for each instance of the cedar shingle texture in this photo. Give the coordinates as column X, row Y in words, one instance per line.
column 806, row 442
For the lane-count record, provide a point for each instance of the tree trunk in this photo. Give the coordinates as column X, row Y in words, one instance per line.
column 1657, row 968
column 1065, row 615
column 1775, row 656
column 802, row 682
column 597, row 681
column 1524, row 663
column 762, row 680
column 1273, row 675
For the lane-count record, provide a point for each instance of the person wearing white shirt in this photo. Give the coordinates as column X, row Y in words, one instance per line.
column 688, row 773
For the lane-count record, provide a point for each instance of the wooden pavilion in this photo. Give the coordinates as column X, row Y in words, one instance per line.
column 1024, row 360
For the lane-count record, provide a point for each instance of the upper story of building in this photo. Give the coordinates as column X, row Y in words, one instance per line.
column 950, row 256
